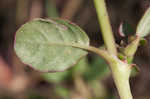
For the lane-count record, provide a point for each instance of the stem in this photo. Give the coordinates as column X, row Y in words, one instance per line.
column 123, row 88
column 120, row 70
column 101, row 53
column 132, row 47
column 121, row 73
column 105, row 26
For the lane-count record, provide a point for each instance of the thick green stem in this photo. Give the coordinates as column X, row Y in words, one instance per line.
column 132, row 47
column 120, row 70
column 123, row 88
column 121, row 73
column 105, row 26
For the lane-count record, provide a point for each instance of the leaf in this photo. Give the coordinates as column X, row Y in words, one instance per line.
column 143, row 41
column 121, row 56
column 143, row 28
column 46, row 45
column 125, row 29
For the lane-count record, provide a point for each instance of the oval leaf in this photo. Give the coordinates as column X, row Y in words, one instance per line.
column 143, row 28
column 45, row 44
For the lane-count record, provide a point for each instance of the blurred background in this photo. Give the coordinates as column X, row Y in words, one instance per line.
column 90, row 78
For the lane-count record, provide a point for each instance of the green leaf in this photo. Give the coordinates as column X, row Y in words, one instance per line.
column 143, row 28
column 121, row 56
column 143, row 41
column 46, row 45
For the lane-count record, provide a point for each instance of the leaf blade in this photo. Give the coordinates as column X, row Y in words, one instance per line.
column 143, row 26
column 38, row 44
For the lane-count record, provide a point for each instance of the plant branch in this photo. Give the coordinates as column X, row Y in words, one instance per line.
column 105, row 26
column 121, row 73
column 102, row 53
column 132, row 47
column 120, row 70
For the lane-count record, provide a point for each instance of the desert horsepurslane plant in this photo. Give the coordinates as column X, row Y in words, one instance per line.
column 53, row 45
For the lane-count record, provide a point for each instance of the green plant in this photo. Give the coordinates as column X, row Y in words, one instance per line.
column 52, row 45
